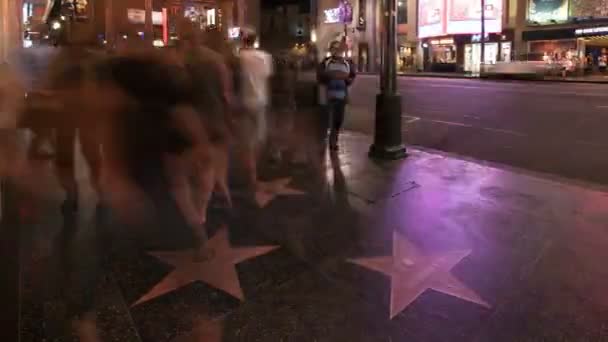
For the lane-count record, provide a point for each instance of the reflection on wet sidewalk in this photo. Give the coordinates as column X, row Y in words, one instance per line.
column 364, row 252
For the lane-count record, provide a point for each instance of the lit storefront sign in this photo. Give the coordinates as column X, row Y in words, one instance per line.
column 202, row 15
column 28, row 11
column 545, row 11
column 332, row 15
column 447, row 41
column 341, row 14
column 138, row 16
column 234, row 32
column 591, row 31
column 460, row 17
column 211, row 17
column 476, row 38
column 464, row 16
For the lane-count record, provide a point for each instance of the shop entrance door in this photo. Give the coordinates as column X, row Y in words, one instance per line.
column 596, row 47
column 472, row 54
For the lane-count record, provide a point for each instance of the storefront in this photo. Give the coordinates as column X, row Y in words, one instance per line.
column 462, row 53
column 440, row 54
column 406, row 58
column 450, row 33
column 551, row 45
column 582, row 48
column 593, row 44
column 498, row 48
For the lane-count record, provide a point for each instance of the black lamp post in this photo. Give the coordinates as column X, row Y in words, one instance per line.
column 388, row 144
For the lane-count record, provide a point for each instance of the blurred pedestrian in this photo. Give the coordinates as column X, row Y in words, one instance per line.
column 69, row 72
column 254, row 70
column 210, row 82
column 12, row 94
column 283, row 108
column 603, row 63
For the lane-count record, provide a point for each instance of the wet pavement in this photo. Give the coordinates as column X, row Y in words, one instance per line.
column 431, row 248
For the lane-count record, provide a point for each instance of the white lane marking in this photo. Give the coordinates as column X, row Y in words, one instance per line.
column 450, row 123
column 409, row 119
column 505, row 131
column 453, row 86
column 460, row 124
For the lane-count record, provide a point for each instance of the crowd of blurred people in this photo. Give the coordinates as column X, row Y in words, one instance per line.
column 185, row 110
column 569, row 63
column 175, row 117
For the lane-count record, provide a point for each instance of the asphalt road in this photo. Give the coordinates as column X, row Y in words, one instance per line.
column 559, row 128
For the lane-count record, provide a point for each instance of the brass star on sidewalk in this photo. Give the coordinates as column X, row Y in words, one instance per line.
column 219, row 271
column 268, row 191
column 412, row 273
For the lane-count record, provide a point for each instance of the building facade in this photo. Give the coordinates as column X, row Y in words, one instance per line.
column 450, row 36
column 356, row 23
column 285, row 27
column 560, row 31
column 566, row 30
column 104, row 22
column 128, row 16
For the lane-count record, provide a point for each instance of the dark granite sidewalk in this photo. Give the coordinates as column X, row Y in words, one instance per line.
column 431, row 248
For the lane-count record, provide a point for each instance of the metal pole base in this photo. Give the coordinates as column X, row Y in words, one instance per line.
column 387, row 138
column 387, row 152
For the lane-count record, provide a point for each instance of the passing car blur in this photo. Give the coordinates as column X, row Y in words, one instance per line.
column 521, row 70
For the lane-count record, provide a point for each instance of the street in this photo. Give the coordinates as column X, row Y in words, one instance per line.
column 557, row 128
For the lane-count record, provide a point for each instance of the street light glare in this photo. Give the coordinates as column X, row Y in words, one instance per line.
column 56, row 25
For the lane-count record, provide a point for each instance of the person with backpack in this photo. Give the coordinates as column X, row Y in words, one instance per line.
column 335, row 75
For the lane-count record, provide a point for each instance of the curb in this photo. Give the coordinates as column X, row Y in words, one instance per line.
column 464, row 77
